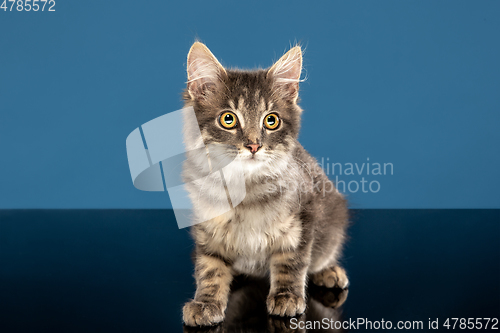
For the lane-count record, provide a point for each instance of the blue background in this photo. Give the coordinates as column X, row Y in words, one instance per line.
column 411, row 83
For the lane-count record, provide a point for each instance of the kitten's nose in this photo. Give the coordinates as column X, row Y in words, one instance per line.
column 253, row 147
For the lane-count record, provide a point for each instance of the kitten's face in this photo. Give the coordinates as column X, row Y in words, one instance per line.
column 255, row 112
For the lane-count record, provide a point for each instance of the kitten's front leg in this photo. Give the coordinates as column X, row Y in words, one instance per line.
column 288, row 282
column 213, row 279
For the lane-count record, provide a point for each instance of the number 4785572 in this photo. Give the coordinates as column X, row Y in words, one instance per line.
column 28, row 5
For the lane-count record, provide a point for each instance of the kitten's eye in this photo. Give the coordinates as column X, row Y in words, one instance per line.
column 271, row 121
column 228, row 120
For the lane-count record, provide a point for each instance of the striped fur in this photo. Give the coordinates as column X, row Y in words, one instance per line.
column 291, row 223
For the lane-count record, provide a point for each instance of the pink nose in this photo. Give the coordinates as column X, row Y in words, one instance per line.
column 253, row 147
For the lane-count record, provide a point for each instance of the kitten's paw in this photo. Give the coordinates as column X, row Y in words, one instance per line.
column 202, row 314
column 285, row 304
column 331, row 277
column 328, row 297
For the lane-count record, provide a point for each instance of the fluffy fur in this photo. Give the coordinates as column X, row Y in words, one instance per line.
column 291, row 221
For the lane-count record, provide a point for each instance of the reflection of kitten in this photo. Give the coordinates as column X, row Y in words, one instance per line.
column 291, row 222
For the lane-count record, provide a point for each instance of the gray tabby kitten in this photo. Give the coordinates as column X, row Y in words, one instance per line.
column 291, row 223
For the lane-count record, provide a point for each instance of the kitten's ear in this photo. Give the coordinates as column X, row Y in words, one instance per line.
column 204, row 71
column 286, row 73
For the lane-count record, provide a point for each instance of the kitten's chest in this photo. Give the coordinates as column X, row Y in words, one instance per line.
column 250, row 236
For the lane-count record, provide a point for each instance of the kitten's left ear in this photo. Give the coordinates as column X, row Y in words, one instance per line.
column 204, row 71
column 286, row 73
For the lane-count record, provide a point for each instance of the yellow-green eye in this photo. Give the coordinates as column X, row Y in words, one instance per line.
column 271, row 121
column 228, row 120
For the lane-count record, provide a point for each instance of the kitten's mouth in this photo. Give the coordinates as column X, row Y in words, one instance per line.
column 255, row 158
column 252, row 158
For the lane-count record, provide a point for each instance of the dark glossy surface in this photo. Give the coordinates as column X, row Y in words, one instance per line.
column 130, row 271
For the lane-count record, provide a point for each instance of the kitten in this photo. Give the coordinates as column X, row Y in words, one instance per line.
column 291, row 223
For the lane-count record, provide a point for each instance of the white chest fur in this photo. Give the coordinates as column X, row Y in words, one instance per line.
column 250, row 236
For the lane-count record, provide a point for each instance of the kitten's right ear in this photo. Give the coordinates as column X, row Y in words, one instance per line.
column 204, row 71
column 286, row 73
